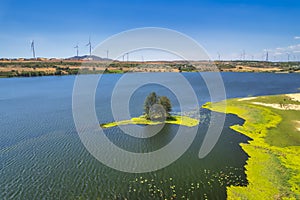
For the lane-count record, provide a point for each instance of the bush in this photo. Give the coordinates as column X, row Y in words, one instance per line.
column 156, row 107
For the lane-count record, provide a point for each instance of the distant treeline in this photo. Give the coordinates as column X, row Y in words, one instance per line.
column 41, row 68
column 58, row 72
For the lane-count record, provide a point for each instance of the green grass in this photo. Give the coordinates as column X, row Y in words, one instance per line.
column 114, row 71
column 285, row 134
column 273, row 167
column 141, row 120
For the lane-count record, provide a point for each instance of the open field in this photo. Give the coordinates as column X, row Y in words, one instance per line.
column 46, row 67
column 273, row 167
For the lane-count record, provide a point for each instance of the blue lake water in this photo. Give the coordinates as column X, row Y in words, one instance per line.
column 42, row 157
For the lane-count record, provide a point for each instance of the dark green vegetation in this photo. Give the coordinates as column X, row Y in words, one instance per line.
column 186, row 68
column 258, row 66
column 273, row 169
column 156, row 107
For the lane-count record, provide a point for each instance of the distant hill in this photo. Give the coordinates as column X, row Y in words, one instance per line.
column 87, row 57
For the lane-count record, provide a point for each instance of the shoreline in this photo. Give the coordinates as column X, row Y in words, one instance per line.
column 32, row 68
column 53, row 75
column 141, row 120
column 273, row 167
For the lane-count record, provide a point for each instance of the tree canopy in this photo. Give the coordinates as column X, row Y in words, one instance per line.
column 157, row 107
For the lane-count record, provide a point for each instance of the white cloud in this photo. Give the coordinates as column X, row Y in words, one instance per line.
column 297, row 37
column 288, row 49
column 278, row 53
column 282, row 52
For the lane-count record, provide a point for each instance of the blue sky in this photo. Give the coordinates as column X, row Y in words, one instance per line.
column 226, row 27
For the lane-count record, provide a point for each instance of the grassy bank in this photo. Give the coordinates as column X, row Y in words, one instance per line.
column 273, row 167
column 179, row 120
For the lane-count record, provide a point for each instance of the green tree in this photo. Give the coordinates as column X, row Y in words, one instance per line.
column 150, row 100
column 159, row 111
column 166, row 103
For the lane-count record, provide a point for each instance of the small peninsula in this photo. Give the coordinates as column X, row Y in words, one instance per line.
column 156, row 111
column 273, row 167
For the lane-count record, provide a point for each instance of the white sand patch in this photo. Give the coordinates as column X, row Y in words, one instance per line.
column 247, row 98
column 298, row 125
column 294, row 97
column 279, row 106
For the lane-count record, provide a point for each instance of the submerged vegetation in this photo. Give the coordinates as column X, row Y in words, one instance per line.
column 273, row 167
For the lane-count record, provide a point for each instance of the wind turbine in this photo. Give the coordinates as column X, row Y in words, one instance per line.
column 32, row 49
column 77, row 50
column 107, row 52
column 219, row 56
column 244, row 55
column 267, row 56
column 90, row 46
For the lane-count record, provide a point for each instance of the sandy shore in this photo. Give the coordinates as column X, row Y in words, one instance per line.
column 294, row 97
column 298, row 125
column 279, row 106
column 247, row 98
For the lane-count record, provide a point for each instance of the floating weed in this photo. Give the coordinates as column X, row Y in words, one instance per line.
column 167, row 188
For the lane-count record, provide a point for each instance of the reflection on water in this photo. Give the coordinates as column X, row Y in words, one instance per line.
column 41, row 155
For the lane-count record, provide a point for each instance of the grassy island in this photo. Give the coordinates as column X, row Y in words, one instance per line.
column 156, row 111
column 142, row 120
column 273, row 167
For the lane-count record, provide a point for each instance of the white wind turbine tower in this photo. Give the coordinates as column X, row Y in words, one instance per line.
column 125, row 55
column 107, row 52
column 288, row 56
column 90, row 46
column 32, row 49
column 244, row 55
column 77, row 50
